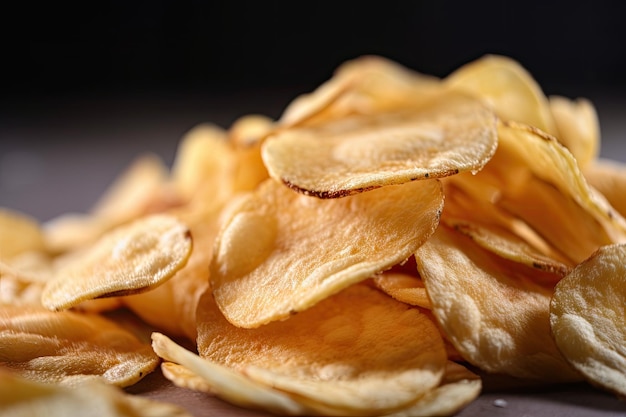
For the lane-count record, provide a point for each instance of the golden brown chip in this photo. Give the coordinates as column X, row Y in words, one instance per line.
column 358, row 350
column 403, row 287
column 20, row 233
column 225, row 382
column 129, row 259
column 577, row 127
column 507, row 87
column 21, row 397
column 451, row 134
column 281, row 252
column 491, row 309
column 70, row 348
column 588, row 320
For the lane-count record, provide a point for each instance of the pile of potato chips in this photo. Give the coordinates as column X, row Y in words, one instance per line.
column 357, row 256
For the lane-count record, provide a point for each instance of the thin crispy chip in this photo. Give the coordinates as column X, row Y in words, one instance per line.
column 21, row 397
column 226, row 382
column 358, row 350
column 129, row 259
column 507, row 87
column 588, row 321
column 577, row 126
column 70, row 348
column 269, row 261
column 19, row 233
column 609, row 178
column 458, row 388
column 450, row 134
column 491, row 310
column 403, row 287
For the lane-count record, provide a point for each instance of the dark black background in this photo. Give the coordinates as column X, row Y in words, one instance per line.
column 135, row 47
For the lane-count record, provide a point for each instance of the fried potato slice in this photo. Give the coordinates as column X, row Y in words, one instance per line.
column 507, row 87
column 268, row 262
column 450, row 134
column 458, row 388
column 20, row 397
column 577, row 126
column 132, row 258
column 358, row 350
column 490, row 309
column 70, row 348
column 403, row 287
column 588, row 321
column 609, row 178
column 20, row 233
column 364, row 85
column 225, row 382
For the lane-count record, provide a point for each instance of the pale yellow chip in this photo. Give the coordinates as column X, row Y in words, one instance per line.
column 588, row 320
column 578, row 127
column 490, row 309
column 450, row 134
column 70, row 348
column 458, row 388
column 507, row 87
column 20, row 397
column 281, row 252
column 132, row 258
column 403, row 287
column 20, row 233
column 609, row 178
column 358, row 350
column 225, row 382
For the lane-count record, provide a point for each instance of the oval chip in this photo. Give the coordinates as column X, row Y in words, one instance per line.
column 588, row 321
column 450, row 134
column 281, row 252
column 70, row 348
column 130, row 259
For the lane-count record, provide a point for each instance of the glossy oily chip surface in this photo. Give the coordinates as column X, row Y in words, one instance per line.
column 357, row 350
column 127, row 260
column 403, row 287
column 450, row 134
column 269, row 261
column 490, row 309
column 70, row 348
column 588, row 321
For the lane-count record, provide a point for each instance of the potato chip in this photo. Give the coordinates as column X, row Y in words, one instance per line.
column 70, row 348
column 578, row 127
column 403, row 287
column 491, row 309
column 20, row 233
column 21, row 397
column 588, row 321
column 268, row 262
column 358, row 350
column 364, row 85
column 507, row 87
column 609, row 178
column 451, row 134
column 458, row 388
column 129, row 259
column 225, row 382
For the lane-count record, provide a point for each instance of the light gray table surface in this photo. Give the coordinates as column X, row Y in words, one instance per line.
column 58, row 155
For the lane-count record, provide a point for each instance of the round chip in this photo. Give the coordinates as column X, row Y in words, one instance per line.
column 132, row 258
column 450, row 134
column 358, row 350
column 490, row 309
column 587, row 318
column 70, row 348
column 281, row 252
